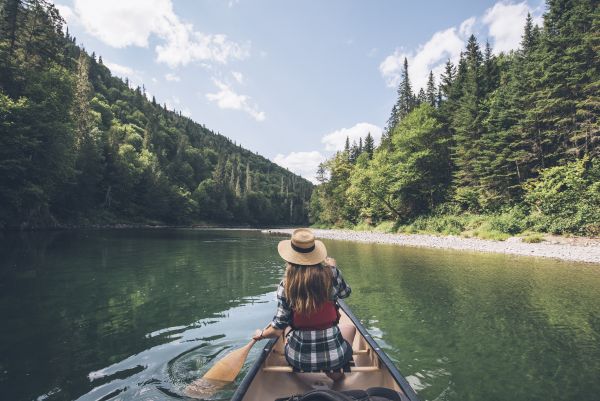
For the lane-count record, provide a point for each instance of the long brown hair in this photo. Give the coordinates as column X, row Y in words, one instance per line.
column 307, row 287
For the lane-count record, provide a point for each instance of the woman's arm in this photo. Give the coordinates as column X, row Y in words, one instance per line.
column 281, row 320
column 342, row 289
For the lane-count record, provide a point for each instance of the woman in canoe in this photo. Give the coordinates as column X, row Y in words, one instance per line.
column 307, row 304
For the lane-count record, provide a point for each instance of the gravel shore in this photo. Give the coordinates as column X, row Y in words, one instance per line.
column 586, row 250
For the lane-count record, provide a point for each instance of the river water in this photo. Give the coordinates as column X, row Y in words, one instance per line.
column 137, row 314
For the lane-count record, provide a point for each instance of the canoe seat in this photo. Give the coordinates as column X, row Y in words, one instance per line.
column 348, row 368
column 354, row 351
column 289, row 369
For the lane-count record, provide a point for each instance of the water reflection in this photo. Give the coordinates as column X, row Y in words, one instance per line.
column 110, row 301
column 475, row 326
column 138, row 314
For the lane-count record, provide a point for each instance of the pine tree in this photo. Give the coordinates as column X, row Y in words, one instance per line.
column 527, row 40
column 232, row 175
column 467, row 120
column 248, row 188
column 447, row 78
column 406, row 98
column 388, row 129
column 431, row 91
column 526, row 147
column 321, row 174
column 238, row 187
column 421, row 97
column 11, row 11
column 490, row 71
column 81, row 102
column 347, row 149
column 354, row 153
column 369, row 145
column 450, row 89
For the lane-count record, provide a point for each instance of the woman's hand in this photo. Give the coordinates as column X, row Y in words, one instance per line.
column 267, row 332
column 330, row 262
column 258, row 335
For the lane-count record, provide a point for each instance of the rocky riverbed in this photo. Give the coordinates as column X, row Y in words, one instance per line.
column 573, row 249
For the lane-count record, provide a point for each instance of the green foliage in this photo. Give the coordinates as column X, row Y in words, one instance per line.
column 505, row 143
column 512, row 221
column 79, row 145
column 566, row 199
column 532, row 238
column 386, row 227
column 493, row 226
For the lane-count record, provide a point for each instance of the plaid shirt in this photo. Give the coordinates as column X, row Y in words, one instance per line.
column 314, row 350
column 283, row 317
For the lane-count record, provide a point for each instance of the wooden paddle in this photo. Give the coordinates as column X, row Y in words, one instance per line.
column 224, row 371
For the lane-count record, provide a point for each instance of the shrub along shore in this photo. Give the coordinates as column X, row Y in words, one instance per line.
column 577, row 249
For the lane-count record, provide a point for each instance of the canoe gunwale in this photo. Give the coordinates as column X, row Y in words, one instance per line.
column 383, row 358
column 247, row 380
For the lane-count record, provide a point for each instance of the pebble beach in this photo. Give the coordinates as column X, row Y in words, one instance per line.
column 570, row 249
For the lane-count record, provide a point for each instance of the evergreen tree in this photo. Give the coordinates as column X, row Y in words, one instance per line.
column 421, row 97
column 406, row 97
column 369, row 145
column 490, row 70
column 447, row 78
column 389, row 127
column 321, row 174
column 431, row 94
column 354, row 152
column 467, row 122
column 248, row 179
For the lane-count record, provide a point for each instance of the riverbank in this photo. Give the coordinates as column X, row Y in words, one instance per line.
column 571, row 249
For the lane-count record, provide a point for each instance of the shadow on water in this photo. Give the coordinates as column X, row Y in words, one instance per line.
column 114, row 302
column 139, row 314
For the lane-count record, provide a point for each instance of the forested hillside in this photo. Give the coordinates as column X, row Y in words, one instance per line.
column 500, row 144
column 80, row 146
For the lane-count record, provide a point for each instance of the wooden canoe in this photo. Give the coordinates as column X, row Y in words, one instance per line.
column 270, row 377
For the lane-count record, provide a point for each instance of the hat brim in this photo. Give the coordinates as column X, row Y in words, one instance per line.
column 314, row 257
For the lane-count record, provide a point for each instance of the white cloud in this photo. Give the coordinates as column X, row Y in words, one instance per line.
column 121, row 23
column 226, row 98
column 123, row 71
column 336, row 140
column 504, row 21
column 466, row 27
column 302, row 163
column 186, row 112
column 442, row 46
column 172, row 77
column 67, row 13
column 239, row 77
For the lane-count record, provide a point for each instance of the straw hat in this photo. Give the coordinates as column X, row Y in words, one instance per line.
column 302, row 249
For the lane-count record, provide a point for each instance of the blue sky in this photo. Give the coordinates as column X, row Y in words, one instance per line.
column 289, row 80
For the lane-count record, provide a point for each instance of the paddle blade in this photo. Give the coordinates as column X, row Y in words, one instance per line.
column 203, row 388
column 227, row 368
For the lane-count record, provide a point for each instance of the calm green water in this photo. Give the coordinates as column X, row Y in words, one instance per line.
column 137, row 314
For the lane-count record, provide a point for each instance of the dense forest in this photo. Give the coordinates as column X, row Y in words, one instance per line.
column 498, row 145
column 79, row 146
